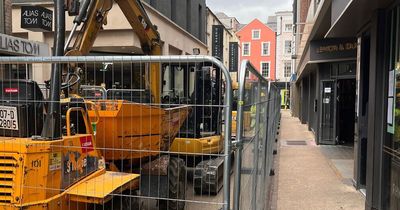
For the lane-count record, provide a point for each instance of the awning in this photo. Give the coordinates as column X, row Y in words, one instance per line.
column 354, row 16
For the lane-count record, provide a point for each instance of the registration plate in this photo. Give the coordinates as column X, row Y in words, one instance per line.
column 8, row 118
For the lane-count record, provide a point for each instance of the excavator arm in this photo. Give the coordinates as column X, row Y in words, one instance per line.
column 142, row 26
column 96, row 17
column 149, row 40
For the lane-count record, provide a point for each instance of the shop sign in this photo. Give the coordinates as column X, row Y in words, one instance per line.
column 218, row 41
column 333, row 49
column 328, row 90
column 36, row 18
column 233, row 56
column 17, row 46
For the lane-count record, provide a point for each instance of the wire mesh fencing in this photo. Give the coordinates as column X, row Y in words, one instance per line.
column 258, row 114
column 116, row 133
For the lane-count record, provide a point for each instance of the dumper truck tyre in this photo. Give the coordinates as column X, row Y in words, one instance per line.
column 177, row 185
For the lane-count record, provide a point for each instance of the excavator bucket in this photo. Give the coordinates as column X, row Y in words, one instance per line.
column 172, row 122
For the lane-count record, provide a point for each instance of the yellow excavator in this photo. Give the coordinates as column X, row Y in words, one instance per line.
column 53, row 161
column 199, row 142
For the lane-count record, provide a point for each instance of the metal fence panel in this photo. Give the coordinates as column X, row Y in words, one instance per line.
column 258, row 102
column 121, row 148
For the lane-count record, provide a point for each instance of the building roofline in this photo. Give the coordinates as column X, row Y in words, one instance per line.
column 227, row 16
column 173, row 23
column 209, row 10
column 146, row 6
column 253, row 21
column 285, row 11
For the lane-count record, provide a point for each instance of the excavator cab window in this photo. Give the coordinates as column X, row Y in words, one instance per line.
column 206, row 90
column 177, row 87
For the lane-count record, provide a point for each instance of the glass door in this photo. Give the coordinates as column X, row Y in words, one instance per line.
column 327, row 115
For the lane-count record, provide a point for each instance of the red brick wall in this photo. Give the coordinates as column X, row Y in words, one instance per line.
column 7, row 16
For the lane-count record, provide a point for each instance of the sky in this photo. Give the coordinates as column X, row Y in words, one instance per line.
column 247, row 10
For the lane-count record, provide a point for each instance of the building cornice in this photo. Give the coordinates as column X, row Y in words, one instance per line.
column 316, row 21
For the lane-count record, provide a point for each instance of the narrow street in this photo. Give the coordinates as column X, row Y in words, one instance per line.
column 200, row 104
column 310, row 176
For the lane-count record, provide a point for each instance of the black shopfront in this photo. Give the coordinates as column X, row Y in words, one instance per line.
column 15, row 46
column 376, row 26
column 327, row 90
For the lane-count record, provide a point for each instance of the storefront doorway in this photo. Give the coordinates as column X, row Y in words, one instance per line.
column 345, row 102
column 337, row 105
column 327, row 125
column 361, row 123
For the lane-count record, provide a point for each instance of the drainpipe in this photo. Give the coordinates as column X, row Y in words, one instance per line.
column 2, row 17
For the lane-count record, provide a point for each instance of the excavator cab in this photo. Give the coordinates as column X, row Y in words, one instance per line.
column 205, row 120
column 199, row 141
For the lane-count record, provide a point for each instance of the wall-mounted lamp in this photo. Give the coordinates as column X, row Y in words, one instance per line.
column 196, row 51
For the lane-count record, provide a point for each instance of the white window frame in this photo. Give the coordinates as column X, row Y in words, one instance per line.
column 269, row 68
column 243, row 43
column 262, row 49
column 259, row 34
column 284, row 68
column 284, row 47
column 291, row 27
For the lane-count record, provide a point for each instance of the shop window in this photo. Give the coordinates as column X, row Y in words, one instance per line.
column 17, row 71
column 394, row 69
column 343, row 69
column 392, row 145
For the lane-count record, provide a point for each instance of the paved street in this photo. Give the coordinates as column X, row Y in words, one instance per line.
column 310, row 176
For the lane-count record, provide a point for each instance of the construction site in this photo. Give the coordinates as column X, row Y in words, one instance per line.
column 84, row 126
column 199, row 105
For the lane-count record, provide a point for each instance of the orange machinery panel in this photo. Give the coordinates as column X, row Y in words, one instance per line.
column 128, row 130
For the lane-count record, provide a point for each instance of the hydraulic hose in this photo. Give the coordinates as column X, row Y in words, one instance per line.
column 52, row 126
